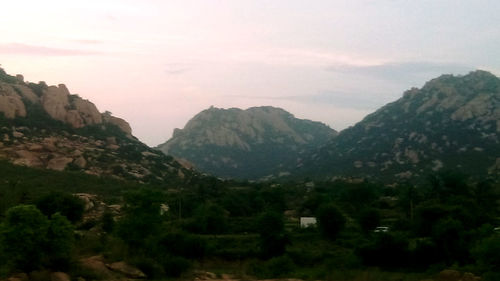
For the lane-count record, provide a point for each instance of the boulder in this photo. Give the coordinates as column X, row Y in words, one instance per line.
column 27, row 93
column 27, row 158
column 120, row 123
column 55, row 102
column 97, row 265
column 88, row 111
column 449, row 275
column 11, row 103
column 126, row 269
column 59, row 163
column 80, row 162
column 59, row 276
column 19, row 277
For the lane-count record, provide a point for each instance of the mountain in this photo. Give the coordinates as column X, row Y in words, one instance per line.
column 245, row 144
column 48, row 127
column 452, row 122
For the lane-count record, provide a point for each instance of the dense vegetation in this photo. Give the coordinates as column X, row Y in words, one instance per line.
column 252, row 229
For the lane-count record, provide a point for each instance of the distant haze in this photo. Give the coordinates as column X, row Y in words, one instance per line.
column 157, row 63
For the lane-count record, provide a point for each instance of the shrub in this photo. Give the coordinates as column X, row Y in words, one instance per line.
column 330, row 221
column 66, row 204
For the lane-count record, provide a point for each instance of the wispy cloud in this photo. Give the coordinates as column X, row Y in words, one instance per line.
column 403, row 71
column 88, row 41
column 177, row 68
column 34, row 50
column 343, row 100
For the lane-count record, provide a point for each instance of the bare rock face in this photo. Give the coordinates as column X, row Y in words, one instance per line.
column 55, row 101
column 122, row 124
column 88, row 111
column 10, row 102
column 75, row 110
column 59, row 163
column 27, row 93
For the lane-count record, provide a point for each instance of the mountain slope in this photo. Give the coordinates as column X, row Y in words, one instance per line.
column 246, row 144
column 453, row 122
column 47, row 127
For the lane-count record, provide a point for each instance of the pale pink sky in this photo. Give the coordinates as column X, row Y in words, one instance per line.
column 156, row 63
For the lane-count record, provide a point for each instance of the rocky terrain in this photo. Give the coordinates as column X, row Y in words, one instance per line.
column 47, row 127
column 452, row 122
column 243, row 144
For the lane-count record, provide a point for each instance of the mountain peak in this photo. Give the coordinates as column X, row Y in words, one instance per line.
column 453, row 122
column 239, row 143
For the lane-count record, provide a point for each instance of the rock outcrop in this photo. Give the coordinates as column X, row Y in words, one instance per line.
column 11, row 104
column 47, row 127
column 56, row 101
column 450, row 123
column 244, row 143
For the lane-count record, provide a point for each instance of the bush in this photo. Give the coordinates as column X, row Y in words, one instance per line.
column 66, row 204
column 273, row 240
column 273, row 268
column 330, row 221
column 487, row 253
column 30, row 240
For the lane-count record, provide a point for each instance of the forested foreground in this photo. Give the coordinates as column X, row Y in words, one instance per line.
column 249, row 230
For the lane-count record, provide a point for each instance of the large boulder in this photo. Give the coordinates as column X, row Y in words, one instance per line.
column 11, row 104
column 120, row 123
column 55, row 101
column 126, row 269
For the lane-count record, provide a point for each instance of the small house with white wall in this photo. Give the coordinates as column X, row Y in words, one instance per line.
column 306, row 222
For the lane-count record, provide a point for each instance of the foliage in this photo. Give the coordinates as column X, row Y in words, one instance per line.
column 369, row 219
column 30, row 240
column 142, row 218
column 66, row 204
column 272, row 235
column 330, row 221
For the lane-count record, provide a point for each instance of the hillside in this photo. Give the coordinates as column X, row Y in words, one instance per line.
column 245, row 144
column 48, row 127
column 452, row 122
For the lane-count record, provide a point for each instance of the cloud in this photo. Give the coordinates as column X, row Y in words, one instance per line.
column 342, row 100
column 177, row 68
column 33, row 50
column 403, row 71
column 88, row 41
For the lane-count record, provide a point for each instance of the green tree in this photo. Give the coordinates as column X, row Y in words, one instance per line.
column 330, row 221
column 142, row 219
column 60, row 241
column 369, row 219
column 24, row 236
column 272, row 237
column 487, row 253
column 210, row 219
column 66, row 204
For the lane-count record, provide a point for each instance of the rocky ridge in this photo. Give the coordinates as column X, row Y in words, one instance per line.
column 56, row 101
column 47, row 127
column 452, row 122
column 244, row 143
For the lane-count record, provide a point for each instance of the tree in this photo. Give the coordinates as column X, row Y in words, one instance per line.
column 369, row 219
column 271, row 229
column 210, row 219
column 66, row 204
column 142, row 219
column 330, row 221
column 24, row 237
column 60, row 241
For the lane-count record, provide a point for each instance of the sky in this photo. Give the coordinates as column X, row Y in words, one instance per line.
column 157, row 63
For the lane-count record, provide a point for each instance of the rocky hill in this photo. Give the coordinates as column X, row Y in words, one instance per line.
column 245, row 144
column 452, row 122
column 48, row 127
